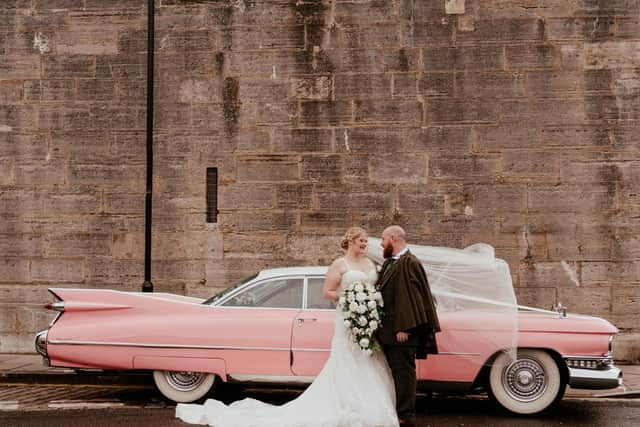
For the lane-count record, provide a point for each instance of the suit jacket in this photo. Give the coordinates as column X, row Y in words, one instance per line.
column 408, row 305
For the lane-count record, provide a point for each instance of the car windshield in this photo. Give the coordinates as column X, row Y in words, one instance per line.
column 219, row 295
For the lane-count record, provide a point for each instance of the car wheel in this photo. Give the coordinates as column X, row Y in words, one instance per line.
column 183, row 387
column 527, row 385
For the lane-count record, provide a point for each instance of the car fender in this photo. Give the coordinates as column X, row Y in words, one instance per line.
column 172, row 363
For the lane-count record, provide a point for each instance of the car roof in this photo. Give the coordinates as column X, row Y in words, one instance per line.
column 292, row 271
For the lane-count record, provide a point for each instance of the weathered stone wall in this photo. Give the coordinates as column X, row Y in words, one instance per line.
column 512, row 122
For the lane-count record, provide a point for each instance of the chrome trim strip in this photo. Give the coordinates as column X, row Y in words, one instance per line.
column 454, row 353
column 58, row 314
column 286, row 379
column 209, row 347
column 305, row 300
column 448, row 353
column 598, row 358
column 240, row 307
column 305, row 285
column 197, row 347
column 595, row 379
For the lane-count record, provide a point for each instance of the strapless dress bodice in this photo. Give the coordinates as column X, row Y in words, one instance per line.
column 351, row 276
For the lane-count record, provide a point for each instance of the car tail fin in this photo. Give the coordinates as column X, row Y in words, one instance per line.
column 69, row 300
column 58, row 305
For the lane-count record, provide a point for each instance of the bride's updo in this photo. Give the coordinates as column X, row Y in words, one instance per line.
column 351, row 234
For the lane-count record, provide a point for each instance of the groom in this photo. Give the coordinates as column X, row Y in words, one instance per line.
column 410, row 320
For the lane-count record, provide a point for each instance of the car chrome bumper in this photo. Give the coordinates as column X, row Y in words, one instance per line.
column 595, row 379
column 41, row 343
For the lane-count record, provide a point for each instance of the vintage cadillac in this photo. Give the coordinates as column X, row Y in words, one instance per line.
column 276, row 328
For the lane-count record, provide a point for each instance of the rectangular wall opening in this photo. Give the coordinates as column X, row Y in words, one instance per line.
column 212, row 195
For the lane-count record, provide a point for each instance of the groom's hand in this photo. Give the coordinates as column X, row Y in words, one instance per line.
column 402, row 336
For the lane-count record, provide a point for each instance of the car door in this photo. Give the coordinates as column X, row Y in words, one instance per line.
column 468, row 338
column 258, row 326
column 312, row 330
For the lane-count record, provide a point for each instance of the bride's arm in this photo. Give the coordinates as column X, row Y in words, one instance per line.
column 332, row 282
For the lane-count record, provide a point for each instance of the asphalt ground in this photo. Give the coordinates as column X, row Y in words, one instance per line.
column 431, row 412
column 29, row 369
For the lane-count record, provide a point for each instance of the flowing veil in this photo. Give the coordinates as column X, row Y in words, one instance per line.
column 470, row 279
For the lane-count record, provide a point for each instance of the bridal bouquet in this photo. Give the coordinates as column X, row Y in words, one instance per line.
column 362, row 306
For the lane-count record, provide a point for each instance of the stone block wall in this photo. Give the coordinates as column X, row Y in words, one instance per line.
column 512, row 122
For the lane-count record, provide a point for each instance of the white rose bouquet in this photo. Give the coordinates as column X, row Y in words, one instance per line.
column 362, row 306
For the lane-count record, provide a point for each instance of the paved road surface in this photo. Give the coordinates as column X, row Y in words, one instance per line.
column 81, row 405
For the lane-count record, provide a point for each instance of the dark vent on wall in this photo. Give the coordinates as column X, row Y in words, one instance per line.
column 212, row 194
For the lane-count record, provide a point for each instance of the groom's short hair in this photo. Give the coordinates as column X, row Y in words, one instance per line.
column 397, row 232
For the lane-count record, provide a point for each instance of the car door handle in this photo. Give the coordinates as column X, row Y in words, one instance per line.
column 301, row 320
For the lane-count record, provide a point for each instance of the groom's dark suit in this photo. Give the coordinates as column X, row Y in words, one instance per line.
column 408, row 307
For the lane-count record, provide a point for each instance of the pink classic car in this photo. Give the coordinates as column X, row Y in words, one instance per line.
column 276, row 328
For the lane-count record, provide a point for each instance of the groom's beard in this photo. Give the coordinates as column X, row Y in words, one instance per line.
column 387, row 251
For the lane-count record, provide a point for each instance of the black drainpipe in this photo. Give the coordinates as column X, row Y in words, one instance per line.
column 148, row 286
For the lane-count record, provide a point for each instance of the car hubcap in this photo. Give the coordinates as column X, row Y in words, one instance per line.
column 524, row 380
column 185, row 381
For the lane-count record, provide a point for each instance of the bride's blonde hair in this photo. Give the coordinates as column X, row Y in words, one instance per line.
column 351, row 234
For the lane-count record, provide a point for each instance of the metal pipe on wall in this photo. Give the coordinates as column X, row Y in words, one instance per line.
column 148, row 285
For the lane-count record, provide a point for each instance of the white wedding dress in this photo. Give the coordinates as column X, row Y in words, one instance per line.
column 352, row 390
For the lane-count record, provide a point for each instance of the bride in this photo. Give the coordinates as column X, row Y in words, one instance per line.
column 352, row 389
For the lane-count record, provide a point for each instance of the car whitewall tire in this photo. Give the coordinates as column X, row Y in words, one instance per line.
column 183, row 387
column 527, row 385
